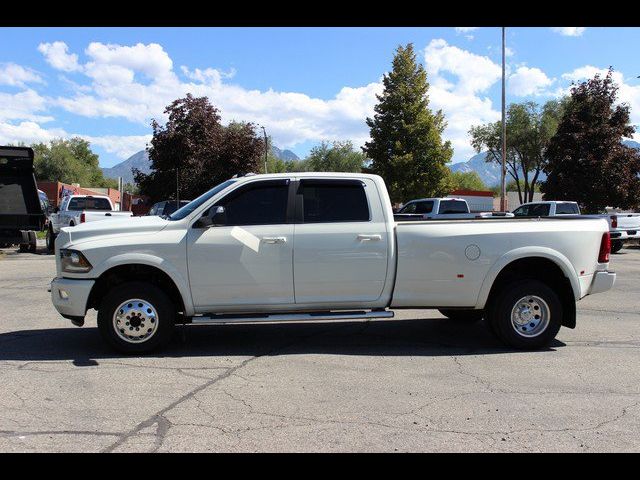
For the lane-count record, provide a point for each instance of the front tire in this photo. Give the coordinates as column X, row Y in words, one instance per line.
column 526, row 314
column 466, row 316
column 616, row 246
column 136, row 317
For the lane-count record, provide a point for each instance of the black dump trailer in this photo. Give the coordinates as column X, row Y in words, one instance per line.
column 21, row 213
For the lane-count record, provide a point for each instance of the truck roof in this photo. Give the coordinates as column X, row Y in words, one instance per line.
column 548, row 202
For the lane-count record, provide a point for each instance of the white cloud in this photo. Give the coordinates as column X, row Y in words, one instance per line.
column 56, row 55
column 150, row 59
column 508, row 52
column 27, row 132
column 17, row 76
column 569, row 31
column 465, row 29
column 528, row 81
column 122, row 146
column 462, row 96
column 24, row 105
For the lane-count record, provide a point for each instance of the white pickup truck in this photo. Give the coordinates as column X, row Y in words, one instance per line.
column 77, row 209
column 623, row 227
column 442, row 208
column 323, row 246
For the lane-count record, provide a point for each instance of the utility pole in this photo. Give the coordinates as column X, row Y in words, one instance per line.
column 503, row 186
column 266, row 148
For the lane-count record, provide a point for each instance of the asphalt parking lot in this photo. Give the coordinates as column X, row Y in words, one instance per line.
column 422, row 385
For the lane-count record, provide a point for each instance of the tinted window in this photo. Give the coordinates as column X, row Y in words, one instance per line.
column 408, row 208
column 336, row 201
column 89, row 203
column 539, row 210
column 453, row 206
column 521, row 211
column 263, row 203
column 424, row 207
column 566, row 208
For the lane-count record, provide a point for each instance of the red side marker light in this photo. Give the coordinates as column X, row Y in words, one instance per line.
column 460, row 275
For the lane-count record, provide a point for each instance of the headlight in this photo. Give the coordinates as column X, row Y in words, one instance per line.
column 73, row 261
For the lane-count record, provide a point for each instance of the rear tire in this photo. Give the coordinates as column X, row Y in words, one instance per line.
column 51, row 240
column 136, row 317
column 526, row 314
column 616, row 245
column 466, row 316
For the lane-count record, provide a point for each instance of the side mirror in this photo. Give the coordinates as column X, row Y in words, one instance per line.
column 219, row 217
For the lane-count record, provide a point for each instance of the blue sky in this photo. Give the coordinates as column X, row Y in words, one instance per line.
column 303, row 84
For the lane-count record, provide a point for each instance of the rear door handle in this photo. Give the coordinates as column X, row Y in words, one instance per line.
column 369, row 238
column 274, row 239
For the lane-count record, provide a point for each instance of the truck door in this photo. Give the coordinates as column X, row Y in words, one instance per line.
column 341, row 242
column 248, row 259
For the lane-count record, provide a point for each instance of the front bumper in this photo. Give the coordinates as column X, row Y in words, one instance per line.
column 602, row 281
column 69, row 297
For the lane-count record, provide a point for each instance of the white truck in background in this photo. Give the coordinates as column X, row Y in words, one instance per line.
column 623, row 227
column 323, row 246
column 441, row 208
column 77, row 209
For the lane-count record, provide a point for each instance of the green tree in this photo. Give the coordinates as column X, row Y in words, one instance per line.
column 529, row 130
column 335, row 157
column 195, row 151
column 587, row 162
column 406, row 146
column 467, row 181
column 69, row 161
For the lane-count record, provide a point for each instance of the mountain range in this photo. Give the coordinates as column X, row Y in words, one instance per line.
column 489, row 172
column 140, row 160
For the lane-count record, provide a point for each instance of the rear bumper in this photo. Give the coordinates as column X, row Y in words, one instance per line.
column 625, row 234
column 602, row 281
column 70, row 297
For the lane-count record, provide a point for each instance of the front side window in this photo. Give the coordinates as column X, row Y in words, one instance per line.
column 539, row 210
column 334, row 201
column 408, row 208
column 424, row 207
column 263, row 203
column 522, row 211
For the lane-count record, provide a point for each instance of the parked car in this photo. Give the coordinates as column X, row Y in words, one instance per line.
column 443, row 208
column 321, row 246
column 77, row 209
column 547, row 209
column 166, row 207
column 624, row 229
column 22, row 212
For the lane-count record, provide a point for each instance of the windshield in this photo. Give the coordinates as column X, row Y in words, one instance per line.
column 191, row 206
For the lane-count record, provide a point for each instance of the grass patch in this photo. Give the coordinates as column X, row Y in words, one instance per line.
column 41, row 235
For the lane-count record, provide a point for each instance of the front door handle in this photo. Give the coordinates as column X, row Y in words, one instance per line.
column 274, row 239
column 369, row 238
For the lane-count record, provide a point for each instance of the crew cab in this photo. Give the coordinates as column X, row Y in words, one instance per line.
column 323, row 246
column 77, row 209
column 547, row 209
column 434, row 208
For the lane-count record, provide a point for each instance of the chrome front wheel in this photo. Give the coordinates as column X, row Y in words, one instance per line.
column 135, row 320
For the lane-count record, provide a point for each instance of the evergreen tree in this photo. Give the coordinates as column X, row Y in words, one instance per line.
column 406, row 146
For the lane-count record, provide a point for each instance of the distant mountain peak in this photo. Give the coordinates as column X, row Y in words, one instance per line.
column 140, row 160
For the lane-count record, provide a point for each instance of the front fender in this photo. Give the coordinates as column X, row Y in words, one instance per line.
column 153, row 261
column 526, row 252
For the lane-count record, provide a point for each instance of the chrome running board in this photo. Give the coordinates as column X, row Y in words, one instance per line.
column 219, row 319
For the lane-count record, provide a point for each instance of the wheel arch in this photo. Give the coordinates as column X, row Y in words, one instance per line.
column 546, row 265
column 142, row 269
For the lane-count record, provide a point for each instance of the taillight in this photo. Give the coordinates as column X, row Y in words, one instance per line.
column 82, row 218
column 605, row 248
column 614, row 221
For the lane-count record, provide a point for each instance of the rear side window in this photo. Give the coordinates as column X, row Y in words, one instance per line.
column 567, row 208
column 263, row 203
column 89, row 203
column 334, row 201
column 453, row 206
